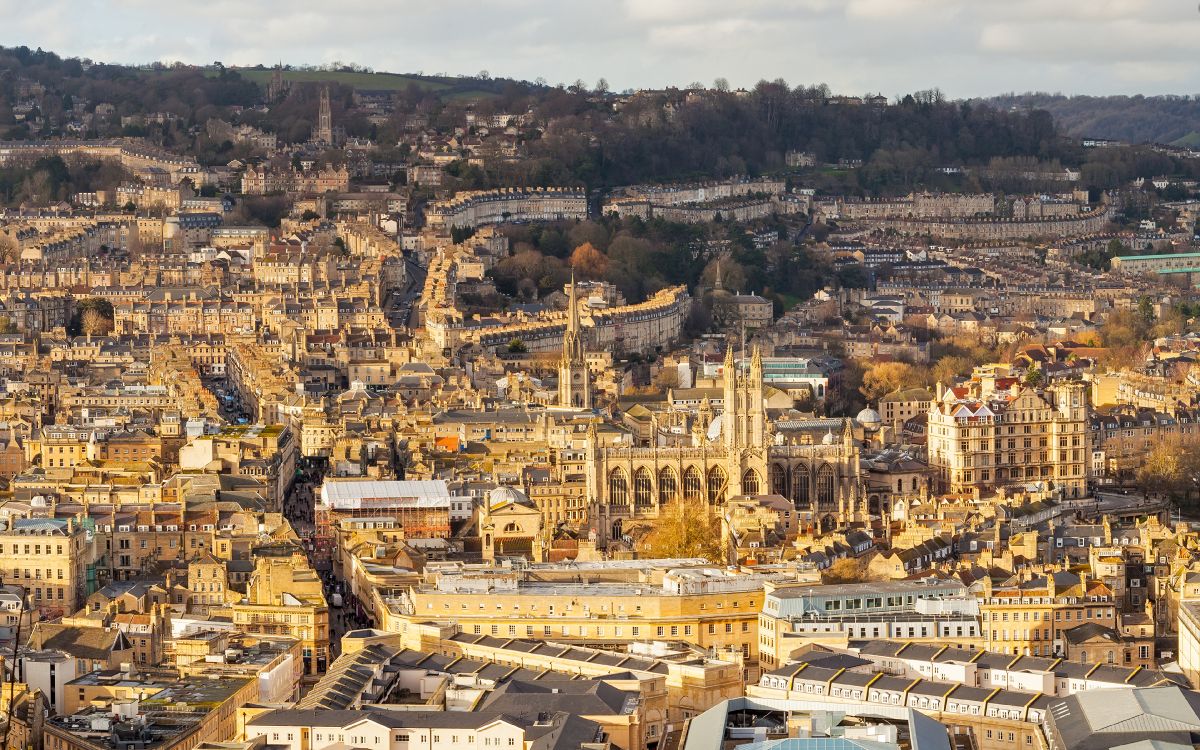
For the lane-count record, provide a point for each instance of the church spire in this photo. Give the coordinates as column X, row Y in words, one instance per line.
column 572, row 307
column 574, row 383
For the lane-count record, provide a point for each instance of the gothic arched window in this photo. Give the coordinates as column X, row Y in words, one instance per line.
column 801, row 491
column 779, row 477
column 718, row 481
column 668, row 485
column 618, row 487
column 825, row 494
column 693, row 484
column 643, row 487
column 751, row 485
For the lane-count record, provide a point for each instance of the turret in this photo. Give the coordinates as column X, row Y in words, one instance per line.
column 757, row 406
column 731, row 416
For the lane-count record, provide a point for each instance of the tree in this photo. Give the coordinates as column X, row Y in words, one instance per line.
column 885, row 377
column 93, row 317
column 94, row 323
column 1125, row 334
column 517, row 346
column 1034, row 377
column 732, row 274
column 666, row 378
column 949, row 368
column 589, row 262
column 10, row 251
column 1171, row 467
column 846, row 570
column 685, row 528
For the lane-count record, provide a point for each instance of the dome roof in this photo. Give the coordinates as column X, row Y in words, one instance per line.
column 869, row 417
column 828, row 439
column 504, row 495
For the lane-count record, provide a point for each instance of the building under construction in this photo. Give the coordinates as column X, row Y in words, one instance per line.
column 423, row 509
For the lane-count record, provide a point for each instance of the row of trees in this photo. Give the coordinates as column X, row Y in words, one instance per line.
column 641, row 257
column 49, row 179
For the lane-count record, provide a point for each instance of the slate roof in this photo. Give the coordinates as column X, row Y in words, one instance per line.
column 1104, row 719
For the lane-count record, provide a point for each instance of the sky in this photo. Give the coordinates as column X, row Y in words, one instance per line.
column 964, row 47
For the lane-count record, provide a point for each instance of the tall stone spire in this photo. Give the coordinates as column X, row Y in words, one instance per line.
column 573, row 345
column 574, row 383
column 325, row 120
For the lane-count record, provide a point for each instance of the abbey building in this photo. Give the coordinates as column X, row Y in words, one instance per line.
column 813, row 463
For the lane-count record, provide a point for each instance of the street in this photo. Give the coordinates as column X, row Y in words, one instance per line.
column 299, row 507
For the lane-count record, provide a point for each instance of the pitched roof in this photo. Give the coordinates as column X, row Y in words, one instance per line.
column 82, row 643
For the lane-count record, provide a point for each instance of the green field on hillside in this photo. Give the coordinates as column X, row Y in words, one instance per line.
column 364, row 81
column 1191, row 140
column 447, row 88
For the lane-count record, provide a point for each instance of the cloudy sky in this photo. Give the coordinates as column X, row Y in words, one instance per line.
column 965, row 47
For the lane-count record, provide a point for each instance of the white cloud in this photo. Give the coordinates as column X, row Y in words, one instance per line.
column 966, row 47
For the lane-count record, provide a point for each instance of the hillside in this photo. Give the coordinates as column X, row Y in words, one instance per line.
column 1135, row 119
column 446, row 88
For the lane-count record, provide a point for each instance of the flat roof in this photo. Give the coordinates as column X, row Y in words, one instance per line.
column 351, row 494
column 837, row 589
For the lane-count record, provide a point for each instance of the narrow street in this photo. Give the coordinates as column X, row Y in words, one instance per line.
column 299, row 508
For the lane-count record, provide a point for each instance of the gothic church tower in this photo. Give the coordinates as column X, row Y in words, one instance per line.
column 325, row 120
column 574, row 385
